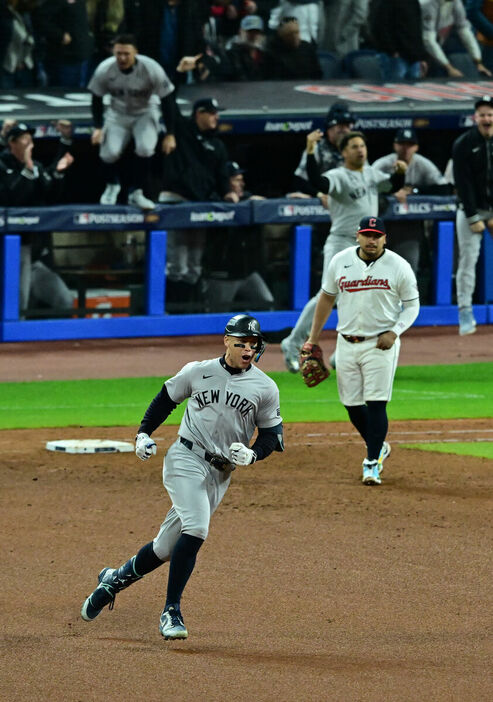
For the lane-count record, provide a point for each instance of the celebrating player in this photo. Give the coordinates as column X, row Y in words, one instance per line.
column 229, row 398
column 135, row 83
column 353, row 190
column 473, row 174
column 377, row 300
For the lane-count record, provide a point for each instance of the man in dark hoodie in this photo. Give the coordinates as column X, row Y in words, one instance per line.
column 288, row 57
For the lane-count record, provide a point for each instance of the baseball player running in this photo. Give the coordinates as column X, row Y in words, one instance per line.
column 377, row 300
column 229, row 398
column 353, row 190
column 135, row 84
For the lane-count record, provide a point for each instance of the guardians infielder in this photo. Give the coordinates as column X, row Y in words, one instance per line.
column 136, row 84
column 353, row 190
column 472, row 155
column 229, row 399
column 377, row 300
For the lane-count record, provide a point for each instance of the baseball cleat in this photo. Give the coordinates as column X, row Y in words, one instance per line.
column 371, row 473
column 291, row 356
column 110, row 195
column 467, row 323
column 332, row 361
column 138, row 199
column 103, row 595
column 171, row 624
column 384, row 453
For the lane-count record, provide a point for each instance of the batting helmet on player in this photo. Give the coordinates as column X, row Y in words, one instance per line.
column 243, row 325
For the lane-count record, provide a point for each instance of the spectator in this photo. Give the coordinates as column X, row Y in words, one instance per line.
column 63, row 28
column 197, row 171
column 235, row 255
column 7, row 125
column 16, row 46
column 289, row 57
column 308, row 14
column 473, row 174
column 343, row 22
column 165, row 30
column 422, row 178
column 395, row 27
column 340, row 120
column 105, row 18
column 439, row 18
column 245, row 57
column 25, row 182
column 480, row 15
column 133, row 82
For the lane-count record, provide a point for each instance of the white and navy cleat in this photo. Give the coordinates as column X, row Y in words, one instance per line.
column 291, row 356
column 171, row 625
column 384, row 453
column 371, row 473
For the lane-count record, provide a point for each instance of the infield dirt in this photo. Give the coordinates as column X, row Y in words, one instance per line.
column 310, row 586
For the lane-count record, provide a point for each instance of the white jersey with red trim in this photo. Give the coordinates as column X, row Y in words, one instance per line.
column 369, row 293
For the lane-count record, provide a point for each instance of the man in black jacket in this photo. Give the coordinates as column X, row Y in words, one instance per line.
column 395, row 27
column 196, row 170
column 290, row 58
column 26, row 182
column 472, row 155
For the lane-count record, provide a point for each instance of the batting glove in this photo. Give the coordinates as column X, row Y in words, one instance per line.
column 241, row 455
column 145, row 447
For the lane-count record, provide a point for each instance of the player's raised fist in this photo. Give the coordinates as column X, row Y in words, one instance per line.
column 145, row 447
column 241, row 455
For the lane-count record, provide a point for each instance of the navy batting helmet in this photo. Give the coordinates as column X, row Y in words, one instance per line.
column 243, row 325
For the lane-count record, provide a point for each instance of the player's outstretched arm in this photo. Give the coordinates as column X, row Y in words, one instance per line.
column 325, row 304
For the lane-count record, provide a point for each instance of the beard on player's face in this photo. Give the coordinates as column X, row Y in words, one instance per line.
column 240, row 351
column 371, row 247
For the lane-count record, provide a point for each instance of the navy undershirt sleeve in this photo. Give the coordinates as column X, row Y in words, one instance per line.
column 159, row 409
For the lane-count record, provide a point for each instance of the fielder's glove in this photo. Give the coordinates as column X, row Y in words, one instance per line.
column 241, row 455
column 312, row 366
column 145, row 447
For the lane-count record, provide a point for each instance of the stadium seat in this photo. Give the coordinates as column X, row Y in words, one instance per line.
column 465, row 64
column 363, row 63
column 331, row 65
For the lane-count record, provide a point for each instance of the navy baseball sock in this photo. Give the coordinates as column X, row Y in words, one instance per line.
column 140, row 175
column 358, row 415
column 378, row 425
column 181, row 566
column 136, row 567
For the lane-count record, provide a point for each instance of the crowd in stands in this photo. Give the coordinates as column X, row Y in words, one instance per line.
column 59, row 43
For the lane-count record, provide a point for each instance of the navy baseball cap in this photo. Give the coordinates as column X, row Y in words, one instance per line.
column 233, row 168
column 372, row 224
column 19, row 129
column 485, row 100
column 206, row 105
column 339, row 113
column 406, row 135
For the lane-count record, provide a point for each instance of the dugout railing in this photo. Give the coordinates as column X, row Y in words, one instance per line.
column 299, row 213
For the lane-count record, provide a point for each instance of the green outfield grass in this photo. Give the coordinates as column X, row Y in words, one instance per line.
column 420, row 392
column 480, row 449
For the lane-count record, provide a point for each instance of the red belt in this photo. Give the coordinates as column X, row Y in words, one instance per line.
column 354, row 339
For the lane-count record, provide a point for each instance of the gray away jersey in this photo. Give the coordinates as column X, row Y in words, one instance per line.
column 131, row 93
column 223, row 408
column 354, row 195
column 420, row 172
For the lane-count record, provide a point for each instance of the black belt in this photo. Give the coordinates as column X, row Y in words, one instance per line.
column 216, row 461
column 354, row 339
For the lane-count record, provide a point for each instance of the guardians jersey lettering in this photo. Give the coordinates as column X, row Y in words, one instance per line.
column 368, row 283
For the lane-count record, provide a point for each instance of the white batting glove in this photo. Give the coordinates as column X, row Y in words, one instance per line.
column 241, row 455
column 145, row 447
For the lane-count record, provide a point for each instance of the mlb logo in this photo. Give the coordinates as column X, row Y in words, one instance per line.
column 82, row 218
column 286, row 210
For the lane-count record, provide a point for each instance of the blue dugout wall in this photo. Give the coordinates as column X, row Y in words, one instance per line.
column 300, row 213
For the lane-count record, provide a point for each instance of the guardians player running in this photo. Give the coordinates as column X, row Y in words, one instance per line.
column 229, row 399
column 377, row 300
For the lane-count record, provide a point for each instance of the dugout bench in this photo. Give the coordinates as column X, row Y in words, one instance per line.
column 301, row 214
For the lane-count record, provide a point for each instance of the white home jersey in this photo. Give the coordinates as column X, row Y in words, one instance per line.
column 369, row 295
column 223, row 407
column 352, row 195
column 131, row 93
